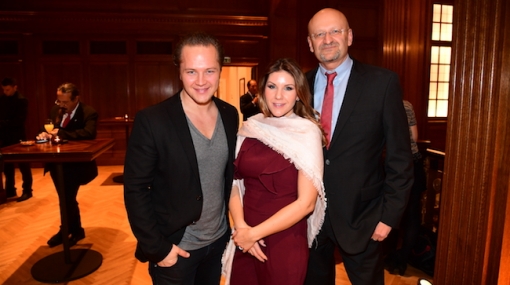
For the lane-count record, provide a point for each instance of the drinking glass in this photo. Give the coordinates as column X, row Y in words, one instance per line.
column 48, row 126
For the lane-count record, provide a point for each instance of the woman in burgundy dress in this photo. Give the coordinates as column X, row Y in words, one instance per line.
column 277, row 201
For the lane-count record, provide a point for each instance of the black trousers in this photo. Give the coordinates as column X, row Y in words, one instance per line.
column 26, row 175
column 365, row 268
column 71, row 186
column 202, row 267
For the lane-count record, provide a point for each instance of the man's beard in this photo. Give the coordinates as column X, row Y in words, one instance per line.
column 331, row 58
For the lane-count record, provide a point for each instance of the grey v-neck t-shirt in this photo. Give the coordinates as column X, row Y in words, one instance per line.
column 212, row 157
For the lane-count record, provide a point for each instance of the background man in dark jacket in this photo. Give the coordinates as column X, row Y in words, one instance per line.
column 13, row 114
column 249, row 101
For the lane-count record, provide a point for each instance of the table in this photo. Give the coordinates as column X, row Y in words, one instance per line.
column 115, row 122
column 68, row 264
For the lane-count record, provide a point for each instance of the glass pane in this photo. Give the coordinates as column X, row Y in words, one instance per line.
column 432, row 108
column 108, row 47
column 434, row 54
column 436, row 17
column 442, row 108
column 436, row 32
column 154, row 48
column 61, row 47
column 444, row 73
column 444, row 55
column 446, row 32
column 8, row 47
column 433, row 90
column 442, row 91
column 447, row 15
column 434, row 72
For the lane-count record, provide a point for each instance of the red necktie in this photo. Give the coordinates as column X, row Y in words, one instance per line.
column 327, row 107
column 66, row 120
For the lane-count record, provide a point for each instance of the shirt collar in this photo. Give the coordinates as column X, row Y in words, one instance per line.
column 342, row 68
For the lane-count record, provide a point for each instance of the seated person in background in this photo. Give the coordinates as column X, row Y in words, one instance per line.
column 13, row 114
column 249, row 101
column 73, row 120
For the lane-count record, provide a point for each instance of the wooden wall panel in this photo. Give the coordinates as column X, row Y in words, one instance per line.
column 476, row 184
column 405, row 44
column 109, row 82
column 244, row 51
column 232, row 7
column 13, row 69
column 436, row 133
column 149, row 79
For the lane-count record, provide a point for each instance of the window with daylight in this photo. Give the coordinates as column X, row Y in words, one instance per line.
column 440, row 59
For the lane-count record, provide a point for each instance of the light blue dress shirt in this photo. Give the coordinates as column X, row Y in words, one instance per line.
column 343, row 71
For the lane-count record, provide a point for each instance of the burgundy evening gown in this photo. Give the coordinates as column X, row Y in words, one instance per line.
column 271, row 183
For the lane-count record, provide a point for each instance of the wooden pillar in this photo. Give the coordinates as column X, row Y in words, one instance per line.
column 404, row 42
column 473, row 245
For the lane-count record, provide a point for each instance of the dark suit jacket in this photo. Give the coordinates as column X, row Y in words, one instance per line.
column 81, row 127
column 162, row 188
column 13, row 114
column 247, row 107
column 361, row 188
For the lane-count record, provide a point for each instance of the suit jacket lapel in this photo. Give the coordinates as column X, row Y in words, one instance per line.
column 78, row 115
column 351, row 97
column 178, row 117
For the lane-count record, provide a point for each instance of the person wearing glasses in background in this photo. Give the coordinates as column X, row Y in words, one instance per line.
column 72, row 120
column 363, row 116
column 249, row 102
column 13, row 114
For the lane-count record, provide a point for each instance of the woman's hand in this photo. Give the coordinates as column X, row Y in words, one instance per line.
column 257, row 252
column 244, row 238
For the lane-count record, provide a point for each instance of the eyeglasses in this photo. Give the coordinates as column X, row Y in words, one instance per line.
column 321, row 35
column 58, row 102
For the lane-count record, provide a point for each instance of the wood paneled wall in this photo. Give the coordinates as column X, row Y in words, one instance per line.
column 473, row 233
column 405, row 49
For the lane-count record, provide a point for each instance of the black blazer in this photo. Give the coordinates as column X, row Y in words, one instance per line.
column 361, row 188
column 247, row 107
column 81, row 127
column 162, row 188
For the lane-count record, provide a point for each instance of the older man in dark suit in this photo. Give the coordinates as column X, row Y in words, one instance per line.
column 179, row 169
column 363, row 115
column 73, row 120
column 249, row 102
